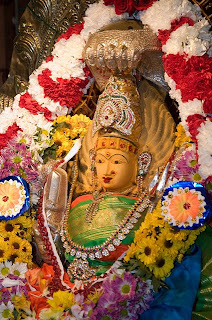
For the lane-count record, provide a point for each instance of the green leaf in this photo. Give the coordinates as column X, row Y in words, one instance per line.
column 62, row 125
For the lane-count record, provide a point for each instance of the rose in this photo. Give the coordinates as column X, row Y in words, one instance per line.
column 129, row 5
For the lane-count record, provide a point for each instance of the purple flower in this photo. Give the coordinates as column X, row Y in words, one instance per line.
column 107, row 301
column 88, row 308
column 101, row 313
column 125, row 286
column 16, row 160
column 124, row 297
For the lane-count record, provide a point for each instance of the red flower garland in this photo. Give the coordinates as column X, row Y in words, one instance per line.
column 8, row 135
column 67, row 92
column 165, row 34
column 75, row 29
column 193, row 76
column 30, row 104
column 194, row 121
column 55, row 284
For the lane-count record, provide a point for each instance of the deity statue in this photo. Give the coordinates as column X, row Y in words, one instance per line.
column 123, row 167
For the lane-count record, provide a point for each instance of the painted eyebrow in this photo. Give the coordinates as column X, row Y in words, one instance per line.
column 116, row 154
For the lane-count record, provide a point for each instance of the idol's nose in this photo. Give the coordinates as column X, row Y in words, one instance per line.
column 108, row 169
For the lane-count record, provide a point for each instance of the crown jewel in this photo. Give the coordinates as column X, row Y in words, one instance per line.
column 116, row 107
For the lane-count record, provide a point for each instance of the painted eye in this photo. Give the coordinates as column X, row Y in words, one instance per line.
column 99, row 161
column 116, row 162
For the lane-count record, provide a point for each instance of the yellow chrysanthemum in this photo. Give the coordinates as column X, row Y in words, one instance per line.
column 20, row 250
column 94, row 296
column 80, row 124
column 21, row 303
column 147, row 251
column 176, row 234
column 3, row 250
column 64, row 148
column 162, row 267
column 25, row 234
column 61, row 301
column 61, row 119
column 24, row 222
column 181, row 137
column 16, row 243
column 8, row 227
column 170, row 247
column 190, row 239
column 141, row 234
column 59, row 138
column 156, row 217
column 157, row 244
column 130, row 252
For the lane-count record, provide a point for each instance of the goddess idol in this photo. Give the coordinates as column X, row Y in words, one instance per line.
column 123, row 169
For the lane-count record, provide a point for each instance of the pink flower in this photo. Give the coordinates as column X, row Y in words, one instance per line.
column 125, row 287
column 187, row 167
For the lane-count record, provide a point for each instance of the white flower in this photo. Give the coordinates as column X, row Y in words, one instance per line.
column 163, row 12
column 19, row 269
column 6, row 310
column 7, row 283
column 97, row 16
column 5, row 269
column 204, row 139
column 174, row 93
column 191, row 107
column 29, row 122
column 7, row 118
column 186, row 39
column 185, row 108
column 23, row 138
column 68, row 64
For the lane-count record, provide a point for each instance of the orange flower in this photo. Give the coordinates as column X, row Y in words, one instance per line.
column 184, row 205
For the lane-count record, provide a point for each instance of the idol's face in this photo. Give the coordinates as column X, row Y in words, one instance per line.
column 115, row 169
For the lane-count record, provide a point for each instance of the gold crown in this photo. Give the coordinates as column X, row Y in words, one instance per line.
column 118, row 109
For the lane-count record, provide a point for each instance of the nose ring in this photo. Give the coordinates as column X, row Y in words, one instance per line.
column 112, row 172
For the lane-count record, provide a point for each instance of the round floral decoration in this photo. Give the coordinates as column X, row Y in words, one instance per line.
column 184, row 205
column 14, row 197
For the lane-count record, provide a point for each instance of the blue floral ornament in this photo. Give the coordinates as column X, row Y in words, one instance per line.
column 185, row 205
column 14, row 197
